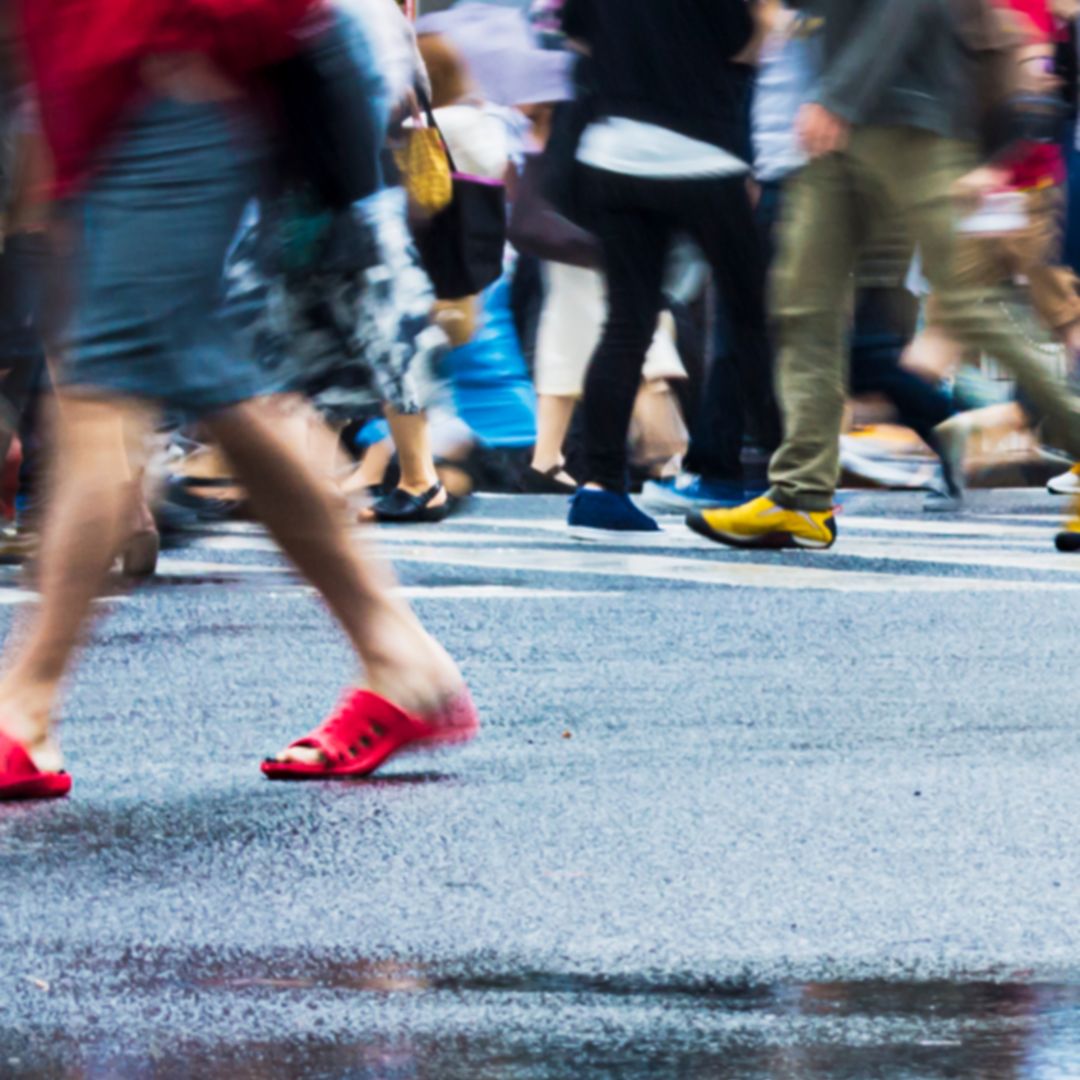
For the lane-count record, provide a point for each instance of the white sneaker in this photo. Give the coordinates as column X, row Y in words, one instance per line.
column 1066, row 484
column 883, row 471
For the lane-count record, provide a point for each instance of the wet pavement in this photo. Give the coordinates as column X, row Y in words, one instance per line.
column 731, row 815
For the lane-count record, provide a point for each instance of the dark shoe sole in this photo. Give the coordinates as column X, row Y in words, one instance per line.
column 1068, row 542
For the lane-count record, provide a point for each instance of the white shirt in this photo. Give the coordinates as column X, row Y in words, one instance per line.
column 632, row 148
column 478, row 139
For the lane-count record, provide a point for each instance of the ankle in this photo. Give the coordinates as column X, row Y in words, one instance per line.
column 418, row 485
column 25, row 711
column 543, row 463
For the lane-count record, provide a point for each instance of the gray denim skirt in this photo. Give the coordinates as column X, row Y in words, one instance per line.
column 143, row 283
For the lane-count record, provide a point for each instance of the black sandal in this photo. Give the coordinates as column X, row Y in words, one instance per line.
column 403, row 508
column 536, row 482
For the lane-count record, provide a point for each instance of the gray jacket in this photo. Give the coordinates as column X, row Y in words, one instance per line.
column 895, row 63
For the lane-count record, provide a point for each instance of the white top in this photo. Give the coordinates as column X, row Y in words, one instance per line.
column 633, row 148
column 478, row 139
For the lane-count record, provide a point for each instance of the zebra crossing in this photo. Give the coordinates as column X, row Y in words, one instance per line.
column 517, row 547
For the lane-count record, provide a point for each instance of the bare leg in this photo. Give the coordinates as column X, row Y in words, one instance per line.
column 412, row 439
column 89, row 515
column 553, row 416
column 401, row 661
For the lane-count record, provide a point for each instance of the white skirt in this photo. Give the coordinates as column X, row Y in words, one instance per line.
column 571, row 322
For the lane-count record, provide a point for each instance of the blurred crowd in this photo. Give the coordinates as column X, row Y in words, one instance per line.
column 818, row 234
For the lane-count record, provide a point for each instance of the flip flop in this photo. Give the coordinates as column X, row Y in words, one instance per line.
column 20, row 778
column 366, row 729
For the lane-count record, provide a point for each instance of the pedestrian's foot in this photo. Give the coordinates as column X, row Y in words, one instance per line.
column 609, row 517
column 30, row 728
column 551, row 481
column 685, row 492
column 366, row 729
column 1066, row 484
column 411, row 670
column 404, row 506
column 943, row 500
column 763, row 523
column 1068, row 539
column 141, row 553
column 951, row 440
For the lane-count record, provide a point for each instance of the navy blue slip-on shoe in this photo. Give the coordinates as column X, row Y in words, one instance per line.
column 609, row 517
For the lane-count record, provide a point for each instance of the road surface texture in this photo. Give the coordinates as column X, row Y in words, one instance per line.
column 731, row 815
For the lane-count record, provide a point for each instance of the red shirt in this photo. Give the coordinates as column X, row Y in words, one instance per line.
column 1039, row 164
column 84, row 55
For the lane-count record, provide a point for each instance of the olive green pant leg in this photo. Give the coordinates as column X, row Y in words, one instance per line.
column 811, row 304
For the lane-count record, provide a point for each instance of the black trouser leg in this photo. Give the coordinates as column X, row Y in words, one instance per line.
column 634, row 241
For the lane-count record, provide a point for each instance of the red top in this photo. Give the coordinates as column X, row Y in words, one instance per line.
column 85, row 55
column 1038, row 164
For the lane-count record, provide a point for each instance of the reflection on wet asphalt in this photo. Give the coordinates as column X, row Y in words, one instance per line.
column 543, row 1024
column 792, row 833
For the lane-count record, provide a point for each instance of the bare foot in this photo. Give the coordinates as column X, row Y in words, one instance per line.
column 408, row 667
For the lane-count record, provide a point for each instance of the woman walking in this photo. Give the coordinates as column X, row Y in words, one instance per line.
column 150, row 115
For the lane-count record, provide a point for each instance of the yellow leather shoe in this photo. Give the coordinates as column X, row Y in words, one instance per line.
column 1069, row 537
column 765, row 524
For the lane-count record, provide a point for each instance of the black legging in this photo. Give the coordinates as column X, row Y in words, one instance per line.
column 636, row 220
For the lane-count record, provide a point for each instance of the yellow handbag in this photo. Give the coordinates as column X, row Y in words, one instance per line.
column 425, row 169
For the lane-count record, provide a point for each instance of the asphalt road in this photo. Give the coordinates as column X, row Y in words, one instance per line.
column 746, row 815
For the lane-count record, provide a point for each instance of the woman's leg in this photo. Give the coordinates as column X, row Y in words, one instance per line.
column 553, row 416
column 304, row 514
column 412, row 437
column 91, row 506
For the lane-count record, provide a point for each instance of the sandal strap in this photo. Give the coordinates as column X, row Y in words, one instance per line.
column 360, row 719
column 399, row 503
column 15, row 762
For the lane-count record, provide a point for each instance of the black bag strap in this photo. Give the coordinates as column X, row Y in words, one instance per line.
column 429, row 112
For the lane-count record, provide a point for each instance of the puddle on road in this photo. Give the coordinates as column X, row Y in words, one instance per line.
column 416, row 1025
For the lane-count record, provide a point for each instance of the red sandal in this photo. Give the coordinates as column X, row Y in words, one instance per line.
column 20, row 778
column 366, row 729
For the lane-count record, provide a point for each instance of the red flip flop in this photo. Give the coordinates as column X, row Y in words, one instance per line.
column 20, row 778
column 366, row 729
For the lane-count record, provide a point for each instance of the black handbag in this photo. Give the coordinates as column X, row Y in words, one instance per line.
column 330, row 140
column 462, row 246
column 537, row 228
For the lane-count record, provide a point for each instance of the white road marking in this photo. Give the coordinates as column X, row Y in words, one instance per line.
column 542, row 546
column 879, row 548
column 702, row 571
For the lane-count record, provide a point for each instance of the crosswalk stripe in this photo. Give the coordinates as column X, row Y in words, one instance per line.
column 701, row 571
column 907, row 555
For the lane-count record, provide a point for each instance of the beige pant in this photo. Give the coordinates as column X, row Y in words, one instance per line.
column 571, row 322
